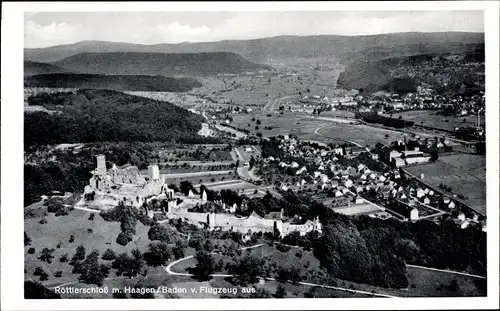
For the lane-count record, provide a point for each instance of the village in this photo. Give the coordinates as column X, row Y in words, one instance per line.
column 362, row 181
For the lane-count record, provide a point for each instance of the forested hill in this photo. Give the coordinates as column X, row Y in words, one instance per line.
column 34, row 68
column 116, row 82
column 445, row 72
column 152, row 64
column 103, row 115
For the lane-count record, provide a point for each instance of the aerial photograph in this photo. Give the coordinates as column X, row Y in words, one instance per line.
column 254, row 154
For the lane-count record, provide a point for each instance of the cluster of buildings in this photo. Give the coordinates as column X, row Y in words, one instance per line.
column 350, row 184
column 423, row 99
column 397, row 158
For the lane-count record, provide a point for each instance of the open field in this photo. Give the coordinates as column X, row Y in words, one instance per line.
column 431, row 118
column 464, row 173
column 361, row 134
column 425, row 283
column 356, row 209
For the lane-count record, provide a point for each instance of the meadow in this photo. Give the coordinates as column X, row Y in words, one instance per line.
column 432, row 118
column 59, row 229
column 464, row 173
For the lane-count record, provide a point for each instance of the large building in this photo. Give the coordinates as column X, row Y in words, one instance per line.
column 125, row 184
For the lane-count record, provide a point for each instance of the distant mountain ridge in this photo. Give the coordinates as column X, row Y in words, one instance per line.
column 260, row 50
column 159, row 64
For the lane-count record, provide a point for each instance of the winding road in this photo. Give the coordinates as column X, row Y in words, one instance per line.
column 168, row 269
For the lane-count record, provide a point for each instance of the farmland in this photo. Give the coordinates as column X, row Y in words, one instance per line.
column 433, row 119
column 464, row 173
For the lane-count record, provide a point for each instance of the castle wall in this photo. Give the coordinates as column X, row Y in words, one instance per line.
column 128, row 175
column 228, row 222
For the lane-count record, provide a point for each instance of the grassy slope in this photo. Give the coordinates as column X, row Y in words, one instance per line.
column 59, row 229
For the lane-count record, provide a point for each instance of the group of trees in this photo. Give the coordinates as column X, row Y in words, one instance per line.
column 376, row 118
column 127, row 216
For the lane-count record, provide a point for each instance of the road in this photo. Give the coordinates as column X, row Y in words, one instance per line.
column 243, row 171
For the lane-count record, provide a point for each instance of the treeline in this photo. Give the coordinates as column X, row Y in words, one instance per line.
column 443, row 246
column 98, row 115
column 371, row 117
column 112, row 82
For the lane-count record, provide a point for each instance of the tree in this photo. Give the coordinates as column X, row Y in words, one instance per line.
column 185, row 186
column 406, row 249
column 109, row 254
column 35, row 290
column 179, row 249
column 248, row 269
column 159, row 253
column 71, row 238
column 159, row 232
column 123, row 239
column 197, row 240
column 205, row 266
column 63, row 258
column 31, row 250
column 128, row 265
column 47, row 255
column 91, row 272
column 434, row 154
column 80, row 253
column 27, row 240
column 280, row 292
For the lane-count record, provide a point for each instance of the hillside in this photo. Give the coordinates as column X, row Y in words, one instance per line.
column 101, row 115
column 34, row 68
column 445, row 72
column 260, row 50
column 117, row 83
column 180, row 64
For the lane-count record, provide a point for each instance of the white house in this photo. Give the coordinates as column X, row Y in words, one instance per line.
column 420, row 193
column 414, row 214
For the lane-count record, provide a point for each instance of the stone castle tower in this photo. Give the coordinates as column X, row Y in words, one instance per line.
column 101, row 165
column 153, row 172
